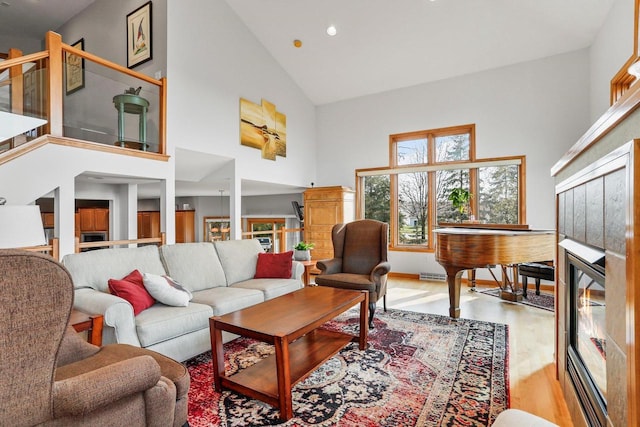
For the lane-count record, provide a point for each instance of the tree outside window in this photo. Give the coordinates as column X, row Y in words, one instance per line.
column 412, row 194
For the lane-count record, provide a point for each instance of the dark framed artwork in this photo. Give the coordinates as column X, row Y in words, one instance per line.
column 74, row 69
column 139, row 37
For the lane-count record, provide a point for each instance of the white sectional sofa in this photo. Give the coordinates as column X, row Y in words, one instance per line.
column 220, row 276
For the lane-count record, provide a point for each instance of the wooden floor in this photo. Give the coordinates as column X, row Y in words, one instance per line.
column 533, row 384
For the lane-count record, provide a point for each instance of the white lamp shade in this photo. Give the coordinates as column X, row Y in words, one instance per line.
column 21, row 226
column 15, row 124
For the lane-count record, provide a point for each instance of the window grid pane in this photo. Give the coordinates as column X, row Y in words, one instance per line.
column 412, row 152
column 498, row 194
column 413, row 209
column 446, row 181
column 452, row 147
column 377, row 198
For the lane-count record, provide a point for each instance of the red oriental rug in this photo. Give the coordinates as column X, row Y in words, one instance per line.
column 419, row 370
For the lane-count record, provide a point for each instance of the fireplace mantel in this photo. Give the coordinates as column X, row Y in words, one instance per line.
column 596, row 206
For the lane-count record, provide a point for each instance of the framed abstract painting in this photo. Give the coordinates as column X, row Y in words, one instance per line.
column 139, row 41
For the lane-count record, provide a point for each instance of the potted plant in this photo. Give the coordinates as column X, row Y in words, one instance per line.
column 460, row 199
column 302, row 251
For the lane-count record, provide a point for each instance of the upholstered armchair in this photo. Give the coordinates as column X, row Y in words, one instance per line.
column 360, row 260
column 51, row 376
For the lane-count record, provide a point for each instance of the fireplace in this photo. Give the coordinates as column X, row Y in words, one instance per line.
column 586, row 358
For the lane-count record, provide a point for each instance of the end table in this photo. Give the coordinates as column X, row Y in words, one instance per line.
column 88, row 322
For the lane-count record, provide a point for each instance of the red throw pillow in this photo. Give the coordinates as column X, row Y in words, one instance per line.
column 132, row 289
column 274, row 266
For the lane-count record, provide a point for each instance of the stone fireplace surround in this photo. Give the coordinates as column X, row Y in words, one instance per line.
column 596, row 206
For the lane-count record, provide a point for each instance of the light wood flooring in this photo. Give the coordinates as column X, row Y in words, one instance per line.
column 532, row 372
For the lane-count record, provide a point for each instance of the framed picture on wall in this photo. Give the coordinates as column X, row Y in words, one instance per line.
column 139, row 43
column 74, row 69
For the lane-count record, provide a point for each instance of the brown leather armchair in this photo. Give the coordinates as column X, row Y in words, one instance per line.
column 360, row 260
column 51, row 376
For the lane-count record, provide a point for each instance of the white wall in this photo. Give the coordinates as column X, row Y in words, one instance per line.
column 537, row 109
column 611, row 49
column 25, row 44
column 213, row 60
column 103, row 26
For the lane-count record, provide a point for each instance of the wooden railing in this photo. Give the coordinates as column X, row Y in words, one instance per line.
column 52, row 249
column 54, row 54
column 108, row 243
column 276, row 236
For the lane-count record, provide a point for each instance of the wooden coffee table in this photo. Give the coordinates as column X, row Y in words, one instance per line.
column 291, row 323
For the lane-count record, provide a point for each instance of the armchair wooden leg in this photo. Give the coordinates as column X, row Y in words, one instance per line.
column 372, row 310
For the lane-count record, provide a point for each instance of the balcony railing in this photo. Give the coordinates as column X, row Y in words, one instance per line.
column 282, row 240
column 67, row 92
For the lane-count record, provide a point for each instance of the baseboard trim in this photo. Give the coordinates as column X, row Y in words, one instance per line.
column 479, row 282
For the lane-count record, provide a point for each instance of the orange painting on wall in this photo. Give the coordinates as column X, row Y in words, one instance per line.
column 264, row 128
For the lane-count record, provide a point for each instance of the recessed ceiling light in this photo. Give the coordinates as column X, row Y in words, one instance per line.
column 331, row 30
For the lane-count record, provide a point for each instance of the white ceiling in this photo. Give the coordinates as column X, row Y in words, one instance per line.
column 381, row 45
column 33, row 18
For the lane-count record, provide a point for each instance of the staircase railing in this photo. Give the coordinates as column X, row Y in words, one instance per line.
column 83, row 111
column 79, row 246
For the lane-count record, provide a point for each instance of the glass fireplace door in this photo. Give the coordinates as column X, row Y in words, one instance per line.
column 587, row 340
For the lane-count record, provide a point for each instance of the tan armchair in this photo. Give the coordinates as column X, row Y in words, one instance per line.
column 360, row 260
column 51, row 376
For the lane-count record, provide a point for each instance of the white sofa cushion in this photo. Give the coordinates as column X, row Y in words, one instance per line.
column 271, row 287
column 93, row 269
column 194, row 265
column 162, row 322
column 238, row 258
column 223, row 300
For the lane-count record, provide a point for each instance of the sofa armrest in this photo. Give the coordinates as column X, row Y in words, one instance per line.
column 330, row 266
column 117, row 312
column 96, row 389
column 380, row 270
column 297, row 270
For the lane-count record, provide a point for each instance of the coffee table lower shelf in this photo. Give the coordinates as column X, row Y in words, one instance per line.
column 306, row 354
column 292, row 323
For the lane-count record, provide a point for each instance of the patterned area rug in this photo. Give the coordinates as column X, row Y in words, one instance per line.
column 419, row 370
column 543, row 301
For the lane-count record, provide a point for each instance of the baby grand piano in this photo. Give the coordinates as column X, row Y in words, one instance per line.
column 465, row 248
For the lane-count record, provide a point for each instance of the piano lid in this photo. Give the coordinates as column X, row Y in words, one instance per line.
column 490, row 231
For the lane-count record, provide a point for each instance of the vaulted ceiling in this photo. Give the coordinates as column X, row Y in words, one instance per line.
column 380, row 45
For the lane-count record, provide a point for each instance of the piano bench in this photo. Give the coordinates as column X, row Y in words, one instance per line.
column 537, row 271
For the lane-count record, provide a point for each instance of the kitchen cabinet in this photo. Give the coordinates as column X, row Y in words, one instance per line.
column 323, row 208
column 149, row 225
column 48, row 220
column 94, row 219
column 185, row 226
column 76, row 220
